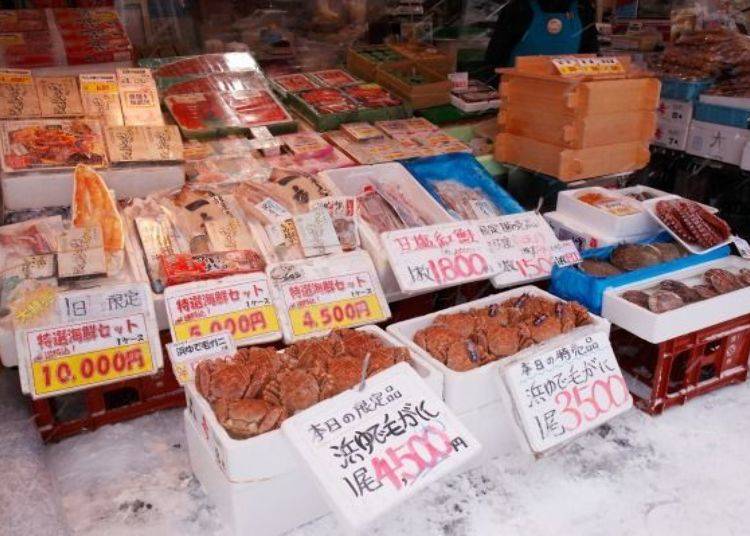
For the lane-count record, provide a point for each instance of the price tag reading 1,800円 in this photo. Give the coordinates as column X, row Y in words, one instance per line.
column 370, row 450
column 566, row 391
column 239, row 304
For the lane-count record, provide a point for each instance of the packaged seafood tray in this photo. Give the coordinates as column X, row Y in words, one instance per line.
column 619, row 215
column 695, row 226
column 615, row 266
column 476, row 97
column 713, row 292
column 244, row 476
column 478, row 387
column 289, row 84
column 378, row 188
column 170, row 71
column 463, row 186
column 18, row 96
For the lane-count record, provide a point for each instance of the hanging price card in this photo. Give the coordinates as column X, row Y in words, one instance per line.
column 521, row 247
column 371, row 450
column 99, row 336
column 239, row 304
column 438, row 256
column 186, row 355
column 327, row 293
column 562, row 393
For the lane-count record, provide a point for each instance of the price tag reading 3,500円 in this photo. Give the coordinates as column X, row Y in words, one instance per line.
column 564, row 392
column 370, row 450
column 239, row 304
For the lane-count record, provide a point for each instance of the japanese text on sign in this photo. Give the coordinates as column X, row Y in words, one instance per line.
column 186, row 355
column 238, row 304
column 589, row 66
column 437, row 256
column 521, row 247
column 567, row 391
column 374, row 448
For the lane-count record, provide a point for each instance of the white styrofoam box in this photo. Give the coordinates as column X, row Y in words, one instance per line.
column 472, row 389
column 670, row 135
column 257, row 506
column 617, row 226
column 650, row 206
column 269, row 455
column 675, row 112
column 352, row 181
column 731, row 102
column 54, row 189
column 656, row 328
column 582, row 235
column 473, row 107
column 718, row 142
column 494, row 428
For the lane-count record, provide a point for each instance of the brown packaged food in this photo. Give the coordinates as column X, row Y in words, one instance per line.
column 59, row 96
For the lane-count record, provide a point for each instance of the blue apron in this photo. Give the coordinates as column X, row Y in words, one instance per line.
column 541, row 39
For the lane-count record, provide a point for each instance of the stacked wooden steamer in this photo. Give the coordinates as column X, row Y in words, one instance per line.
column 578, row 125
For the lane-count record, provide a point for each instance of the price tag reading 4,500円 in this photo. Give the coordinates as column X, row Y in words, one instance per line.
column 564, row 392
column 325, row 293
column 239, row 304
column 370, row 450
column 100, row 336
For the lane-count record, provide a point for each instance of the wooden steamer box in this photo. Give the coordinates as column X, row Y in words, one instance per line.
column 576, row 126
column 433, row 90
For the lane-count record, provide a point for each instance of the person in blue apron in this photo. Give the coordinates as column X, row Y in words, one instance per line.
column 542, row 27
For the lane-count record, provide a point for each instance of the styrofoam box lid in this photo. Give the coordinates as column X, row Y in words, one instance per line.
column 656, row 328
column 351, row 181
column 270, row 454
column 617, row 226
column 472, row 389
column 55, row 189
column 582, row 229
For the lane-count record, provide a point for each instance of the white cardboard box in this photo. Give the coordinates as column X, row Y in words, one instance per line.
column 473, row 389
column 656, row 328
column 718, row 142
column 53, row 189
column 675, row 112
column 582, row 235
column 671, row 135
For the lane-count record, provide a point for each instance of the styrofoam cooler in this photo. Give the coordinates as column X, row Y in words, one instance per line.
column 717, row 142
column 478, row 389
column 583, row 236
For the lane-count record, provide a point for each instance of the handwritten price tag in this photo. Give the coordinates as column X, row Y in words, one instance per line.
column 186, row 355
column 327, row 293
column 437, row 256
column 371, row 450
column 562, row 393
column 521, row 247
column 99, row 336
column 239, row 304
column 565, row 253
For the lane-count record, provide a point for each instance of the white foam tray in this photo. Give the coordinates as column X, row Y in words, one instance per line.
column 53, row 189
column 617, row 226
column 473, row 107
column 256, row 506
column 270, row 455
column 351, row 182
column 584, row 236
column 656, row 328
column 473, row 389
column 650, row 206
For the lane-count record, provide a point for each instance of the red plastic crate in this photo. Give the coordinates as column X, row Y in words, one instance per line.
column 70, row 414
column 671, row 373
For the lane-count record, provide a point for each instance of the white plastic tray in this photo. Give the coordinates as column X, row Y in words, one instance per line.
column 473, row 389
column 656, row 328
column 650, row 206
column 351, row 182
column 617, row 226
column 270, row 455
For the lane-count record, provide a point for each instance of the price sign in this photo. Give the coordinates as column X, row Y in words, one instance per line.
column 743, row 248
column 327, row 293
column 186, row 355
column 239, row 304
column 98, row 336
column 521, row 247
column 372, row 449
column 587, row 66
column 565, row 253
column 438, row 256
column 562, row 393
column 567, row 66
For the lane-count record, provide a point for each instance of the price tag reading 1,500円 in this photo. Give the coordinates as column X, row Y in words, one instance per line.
column 239, row 304
column 325, row 293
column 437, row 256
column 566, row 391
column 372, row 449
column 99, row 336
